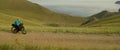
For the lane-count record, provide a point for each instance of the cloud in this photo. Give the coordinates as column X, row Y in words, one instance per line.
column 70, row 2
column 79, row 7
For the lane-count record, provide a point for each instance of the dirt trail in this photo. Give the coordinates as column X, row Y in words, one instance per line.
column 61, row 39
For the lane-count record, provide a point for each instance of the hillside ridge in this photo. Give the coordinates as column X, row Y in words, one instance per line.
column 103, row 18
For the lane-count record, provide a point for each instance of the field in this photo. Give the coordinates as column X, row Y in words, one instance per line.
column 74, row 30
column 45, row 37
column 58, row 41
column 48, row 30
column 61, row 38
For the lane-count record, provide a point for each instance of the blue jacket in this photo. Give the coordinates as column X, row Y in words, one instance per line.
column 17, row 22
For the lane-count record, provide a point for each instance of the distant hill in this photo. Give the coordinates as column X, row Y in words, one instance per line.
column 104, row 14
column 34, row 14
column 103, row 18
column 117, row 2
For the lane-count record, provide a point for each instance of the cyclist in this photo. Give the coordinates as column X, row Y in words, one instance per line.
column 16, row 24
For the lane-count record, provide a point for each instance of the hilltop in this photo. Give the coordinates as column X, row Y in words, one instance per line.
column 34, row 14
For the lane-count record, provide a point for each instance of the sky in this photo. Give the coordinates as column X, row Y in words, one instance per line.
column 79, row 7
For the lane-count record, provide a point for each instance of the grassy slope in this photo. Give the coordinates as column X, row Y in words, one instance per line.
column 36, row 17
column 36, row 13
column 112, row 21
column 6, row 20
column 104, row 19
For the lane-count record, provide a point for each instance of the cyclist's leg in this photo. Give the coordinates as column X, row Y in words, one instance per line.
column 17, row 28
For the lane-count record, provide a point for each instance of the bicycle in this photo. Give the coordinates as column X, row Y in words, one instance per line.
column 18, row 29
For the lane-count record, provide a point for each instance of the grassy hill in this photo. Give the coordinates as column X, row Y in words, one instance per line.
column 104, row 19
column 37, row 18
column 34, row 14
column 107, row 22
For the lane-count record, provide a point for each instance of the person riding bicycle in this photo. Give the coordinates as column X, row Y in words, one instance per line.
column 17, row 23
column 18, row 26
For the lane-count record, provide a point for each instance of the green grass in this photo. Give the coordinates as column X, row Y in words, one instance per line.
column 75, row 30
column 6, row 47
column 30, row 47
column 79, row 30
